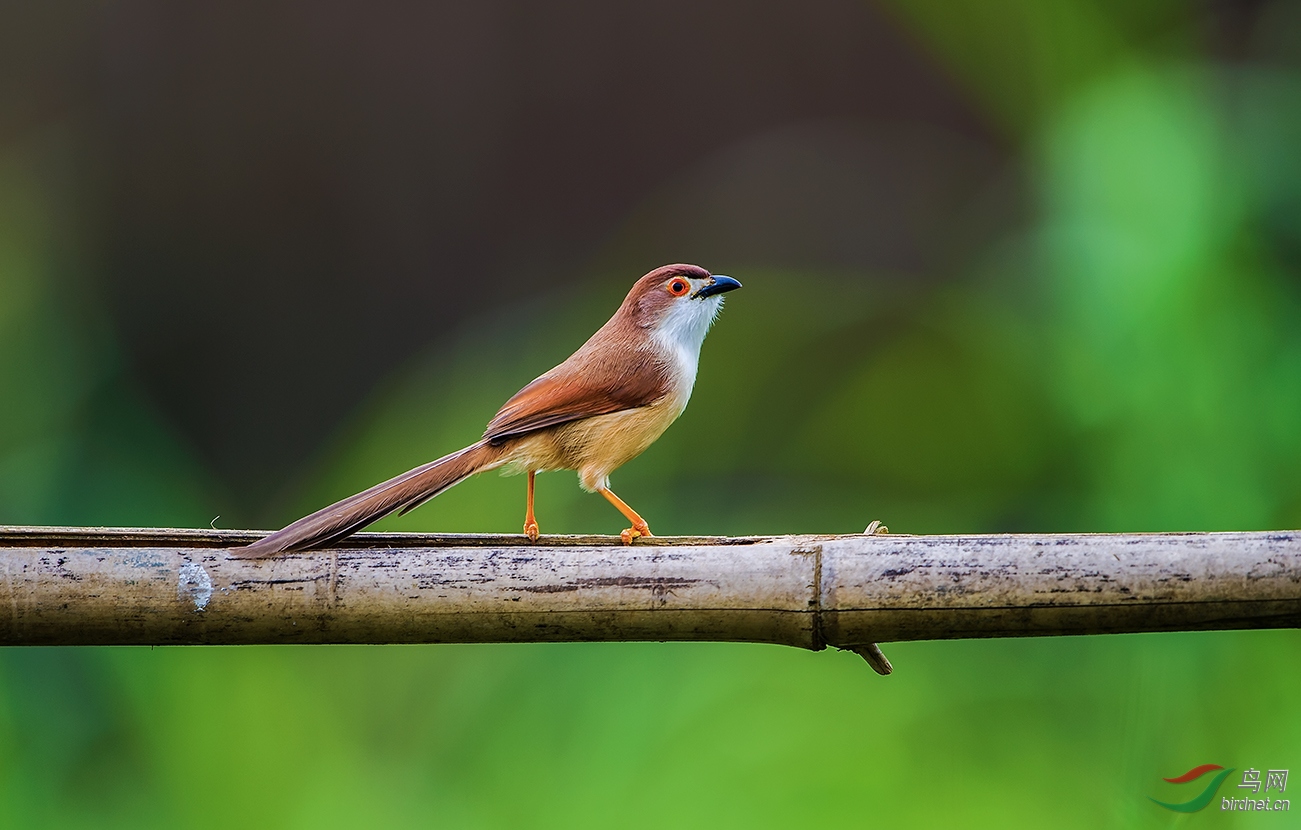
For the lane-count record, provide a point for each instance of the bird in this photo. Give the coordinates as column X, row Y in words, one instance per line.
column 599, row 409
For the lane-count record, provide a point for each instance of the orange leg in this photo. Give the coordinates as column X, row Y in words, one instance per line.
column 530, row 521
column 639, row 526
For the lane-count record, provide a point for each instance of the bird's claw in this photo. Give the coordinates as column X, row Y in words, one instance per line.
column 637, row 532
column 531, row 531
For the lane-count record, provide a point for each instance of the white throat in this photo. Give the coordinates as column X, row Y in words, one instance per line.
column 681, row 332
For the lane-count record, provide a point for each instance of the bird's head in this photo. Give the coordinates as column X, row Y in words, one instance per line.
column 678, row 303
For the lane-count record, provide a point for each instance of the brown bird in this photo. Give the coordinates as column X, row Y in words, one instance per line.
column 593, row 413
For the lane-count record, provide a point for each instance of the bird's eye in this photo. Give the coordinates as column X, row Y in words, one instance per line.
column 678, row 286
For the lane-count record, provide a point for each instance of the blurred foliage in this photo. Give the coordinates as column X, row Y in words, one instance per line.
column 1130, row 359
column 78, row 443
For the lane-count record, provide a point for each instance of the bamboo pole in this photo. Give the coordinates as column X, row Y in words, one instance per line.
column 94, row 586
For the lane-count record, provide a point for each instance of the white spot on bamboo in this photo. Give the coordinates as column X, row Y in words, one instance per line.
column 194, row 585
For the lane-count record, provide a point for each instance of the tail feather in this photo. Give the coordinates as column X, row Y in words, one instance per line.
column 404, row 492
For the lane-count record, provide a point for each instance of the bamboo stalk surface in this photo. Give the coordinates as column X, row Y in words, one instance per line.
column 102, row 586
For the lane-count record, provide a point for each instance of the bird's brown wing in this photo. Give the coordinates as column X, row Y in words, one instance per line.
column 597, row 382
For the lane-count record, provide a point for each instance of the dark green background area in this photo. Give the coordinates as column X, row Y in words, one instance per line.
column 1064, row 297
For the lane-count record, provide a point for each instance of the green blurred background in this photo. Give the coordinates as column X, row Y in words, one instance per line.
column 1009, row 266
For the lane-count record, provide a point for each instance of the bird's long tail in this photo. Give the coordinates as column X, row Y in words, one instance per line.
column 409, row 490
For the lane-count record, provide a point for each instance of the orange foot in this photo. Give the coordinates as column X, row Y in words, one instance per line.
column 531, row 531
column 635, row 532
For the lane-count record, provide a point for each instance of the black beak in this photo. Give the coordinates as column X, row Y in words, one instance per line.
column 719, row 285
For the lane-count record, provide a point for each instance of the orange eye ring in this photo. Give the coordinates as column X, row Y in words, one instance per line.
column 678, row 286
